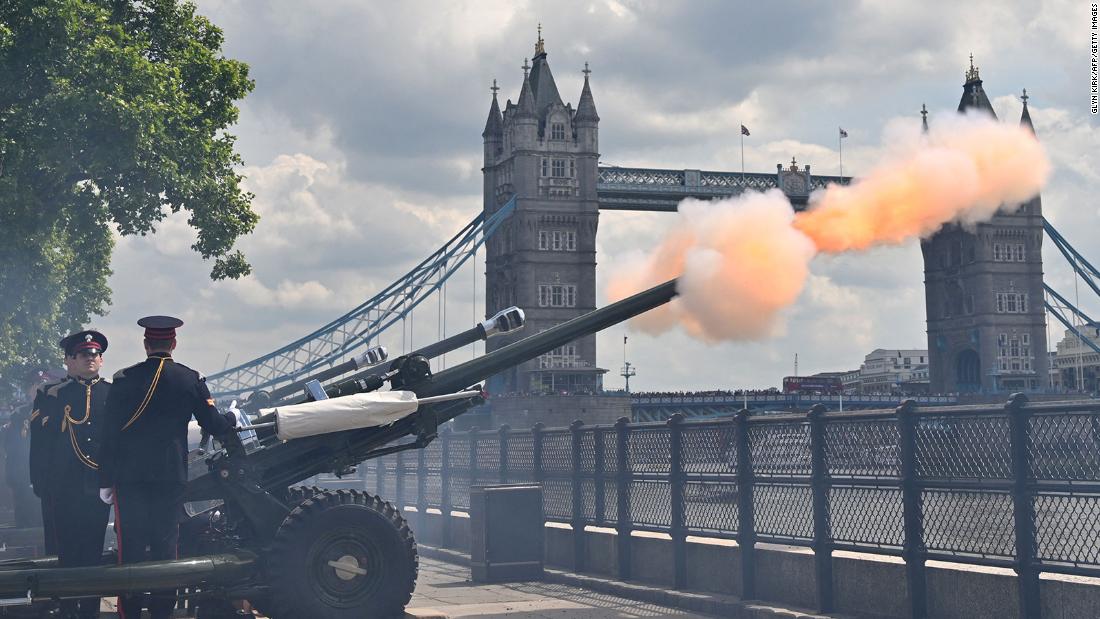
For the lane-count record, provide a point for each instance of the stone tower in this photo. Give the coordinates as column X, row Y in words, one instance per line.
column 984, row 292
column 543, row 258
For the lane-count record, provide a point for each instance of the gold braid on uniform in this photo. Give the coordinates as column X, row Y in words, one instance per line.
column 148, row 395
column 69, row 423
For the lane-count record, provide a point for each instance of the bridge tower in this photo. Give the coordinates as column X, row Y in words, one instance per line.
column 984, row 292
column 543, row 258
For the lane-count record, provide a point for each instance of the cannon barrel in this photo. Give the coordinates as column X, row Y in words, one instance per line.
column 285, row 463
column 229, row 569
column 508, row 320
column 372, row 357
column 476, row 370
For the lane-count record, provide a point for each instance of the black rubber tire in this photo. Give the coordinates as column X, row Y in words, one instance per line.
column 351, row 527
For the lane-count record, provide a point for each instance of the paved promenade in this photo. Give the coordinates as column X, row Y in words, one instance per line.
column 445, row 590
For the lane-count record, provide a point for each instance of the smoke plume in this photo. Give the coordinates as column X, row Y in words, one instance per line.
column 742, row 260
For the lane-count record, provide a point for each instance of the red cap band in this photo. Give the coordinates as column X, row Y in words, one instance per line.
column 160, row 334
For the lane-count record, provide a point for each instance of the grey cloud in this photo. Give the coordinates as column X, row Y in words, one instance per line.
column 392, row 97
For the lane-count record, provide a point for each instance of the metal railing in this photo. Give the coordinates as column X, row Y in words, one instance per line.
column 1015, row 486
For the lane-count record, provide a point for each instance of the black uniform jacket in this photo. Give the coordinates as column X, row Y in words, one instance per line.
column 73, row 412
column 17, row 443
column 145, row 434
column 42, row 441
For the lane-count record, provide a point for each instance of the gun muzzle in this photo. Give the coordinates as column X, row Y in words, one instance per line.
column 504, row 321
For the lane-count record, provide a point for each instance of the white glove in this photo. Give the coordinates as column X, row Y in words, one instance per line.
column 107, row 495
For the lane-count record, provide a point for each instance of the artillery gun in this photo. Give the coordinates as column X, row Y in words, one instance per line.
column 293, row 554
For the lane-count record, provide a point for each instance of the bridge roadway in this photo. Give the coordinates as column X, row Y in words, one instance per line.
column 658, row 407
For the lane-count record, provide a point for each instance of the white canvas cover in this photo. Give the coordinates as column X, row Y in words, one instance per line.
column 362, row 410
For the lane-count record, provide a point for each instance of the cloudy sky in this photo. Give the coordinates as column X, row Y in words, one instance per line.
column 362, row 143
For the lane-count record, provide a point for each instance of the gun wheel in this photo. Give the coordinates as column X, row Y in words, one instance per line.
column 296, row 494
column 342, row 554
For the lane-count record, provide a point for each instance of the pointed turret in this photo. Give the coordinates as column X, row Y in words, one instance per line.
column 974, row 96
column 923, row 118
column 523, row 125
column 586, row 107
column 1025, row 118
column 493, row 135
column 525, row 107
column 495, row 123
column 543, row 86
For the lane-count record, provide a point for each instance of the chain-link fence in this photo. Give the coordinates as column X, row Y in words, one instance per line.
column 1014, row 486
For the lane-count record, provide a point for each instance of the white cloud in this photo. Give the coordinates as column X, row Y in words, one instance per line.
column 363, row 149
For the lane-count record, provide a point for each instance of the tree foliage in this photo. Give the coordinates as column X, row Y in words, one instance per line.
column 113, row 114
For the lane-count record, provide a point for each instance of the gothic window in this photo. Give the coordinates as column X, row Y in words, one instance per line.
column 561, row 357
column 545, row 166
column 557, row 240
column 572, row 168
column 998, row 252
column 558, row 168
column 1014, row 352
column 1018, row 252
column 557, row 295
column 557, row 131
column 1011, row 302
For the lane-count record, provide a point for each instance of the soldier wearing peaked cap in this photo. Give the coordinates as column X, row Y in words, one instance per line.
column 143, row 458
column 65, row 461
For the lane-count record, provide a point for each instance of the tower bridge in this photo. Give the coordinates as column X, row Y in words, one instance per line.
column 543, row 191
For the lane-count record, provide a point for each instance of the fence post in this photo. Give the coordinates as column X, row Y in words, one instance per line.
column 537, row 475
column 819, row 487
column 1023, row 505
column 913, row 550
column 445, row 486
column 677, row 529
column 399, row 482
column 503, row 442
column 380, row 477
column 599, row 471
column 422, row 490
column 622, row 495
column 578, row 498
column 746, row 530
column 473, row 468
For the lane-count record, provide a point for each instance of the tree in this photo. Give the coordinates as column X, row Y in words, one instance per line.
column 113, row 114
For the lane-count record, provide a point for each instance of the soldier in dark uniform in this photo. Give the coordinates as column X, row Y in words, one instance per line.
column 42, row 442
column 17, row 443
column 143, row 467
column 73, row 413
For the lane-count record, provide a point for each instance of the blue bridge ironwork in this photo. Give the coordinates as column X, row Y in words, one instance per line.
column 661, row 407
column 648, row 189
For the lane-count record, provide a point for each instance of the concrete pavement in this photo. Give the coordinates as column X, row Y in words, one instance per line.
column 445, row 590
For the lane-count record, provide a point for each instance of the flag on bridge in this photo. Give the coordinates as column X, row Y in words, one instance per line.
column 745, row 130
column 843, row 133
